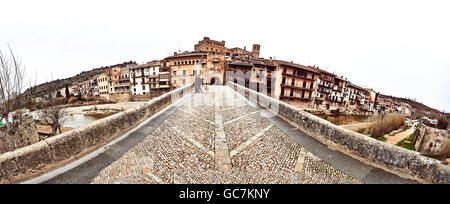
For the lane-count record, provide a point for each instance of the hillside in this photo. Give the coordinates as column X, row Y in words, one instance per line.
column 49, row 87
column 46, row 88
column 418, row 109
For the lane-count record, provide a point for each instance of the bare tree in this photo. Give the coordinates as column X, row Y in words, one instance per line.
column 12, row 76
column 54, row 117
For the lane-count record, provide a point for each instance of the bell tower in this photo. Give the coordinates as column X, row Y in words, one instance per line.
column 255, row 50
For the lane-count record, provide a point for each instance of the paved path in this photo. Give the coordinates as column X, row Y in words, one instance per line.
column 400, row 136
column 219, row 137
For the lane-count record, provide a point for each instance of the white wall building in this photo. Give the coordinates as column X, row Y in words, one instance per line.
column 144, row 78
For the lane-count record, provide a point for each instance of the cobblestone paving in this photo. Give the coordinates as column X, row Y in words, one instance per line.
column 181, row 149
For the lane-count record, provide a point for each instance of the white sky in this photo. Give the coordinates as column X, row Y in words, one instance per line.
column 399, row 48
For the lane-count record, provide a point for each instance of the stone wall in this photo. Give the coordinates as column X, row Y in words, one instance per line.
column 51, row 153
column 120, row 97
column 26, row 135
column 402, row 162
column 432, row 141
column 153, row 94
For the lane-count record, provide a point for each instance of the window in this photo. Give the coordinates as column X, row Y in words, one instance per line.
column 194, row 72
column 143, row 88
column 184, row 72
column 174, row 73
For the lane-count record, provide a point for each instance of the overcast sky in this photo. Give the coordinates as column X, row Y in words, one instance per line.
column 399, row 48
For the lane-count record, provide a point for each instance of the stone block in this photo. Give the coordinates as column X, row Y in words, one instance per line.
column 8, row 167
column 65, row 145
column 33, row 157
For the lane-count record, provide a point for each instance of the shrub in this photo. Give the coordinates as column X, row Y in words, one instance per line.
column 386, row 124
column 442, row 123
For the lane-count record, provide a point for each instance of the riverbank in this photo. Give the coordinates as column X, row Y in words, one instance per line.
column 120, row 106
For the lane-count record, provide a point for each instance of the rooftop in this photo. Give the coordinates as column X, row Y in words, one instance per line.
column 291, row 64
column 149, row 64
column 188, row 54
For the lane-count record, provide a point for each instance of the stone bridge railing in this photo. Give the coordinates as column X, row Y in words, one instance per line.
column 405, row 163
column 54, row 152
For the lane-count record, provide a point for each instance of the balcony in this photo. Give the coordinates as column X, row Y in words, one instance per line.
column 296, row 97
column 298, row 76
column 327, row 80
column 297, row 87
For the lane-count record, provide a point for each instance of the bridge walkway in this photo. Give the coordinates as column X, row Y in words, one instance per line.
column 220, row 137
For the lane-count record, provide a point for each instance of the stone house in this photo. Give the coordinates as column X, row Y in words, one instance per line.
column 298, row 83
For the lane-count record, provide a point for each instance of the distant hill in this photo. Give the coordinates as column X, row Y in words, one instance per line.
column 418, row 108
column 46, row 88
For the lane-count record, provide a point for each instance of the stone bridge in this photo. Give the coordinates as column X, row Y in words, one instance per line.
column 223, row 136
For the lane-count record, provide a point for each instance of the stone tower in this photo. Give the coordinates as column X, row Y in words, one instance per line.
column 255, row 51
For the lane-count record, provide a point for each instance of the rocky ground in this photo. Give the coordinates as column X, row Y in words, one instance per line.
column 185, row 149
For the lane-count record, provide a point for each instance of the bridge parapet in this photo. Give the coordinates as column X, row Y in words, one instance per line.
column 405, row 163
column 53, row 152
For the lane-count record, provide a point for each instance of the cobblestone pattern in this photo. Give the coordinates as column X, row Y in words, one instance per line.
column 166, row 156
column 240, row 131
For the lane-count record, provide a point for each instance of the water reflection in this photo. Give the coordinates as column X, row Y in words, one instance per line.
column 78, row 120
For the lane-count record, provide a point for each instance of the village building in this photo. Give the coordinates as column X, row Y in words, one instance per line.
column 123, row 85
column 298, row 83
column 185, row 66
column 255, row 74
column 93, row 87
column 103, row 85
column 114, row 74
column 338, row 92
column 75, row 89
column 213, row 46
column 208, row 45
column 145, row 77
column 164, row 77
column 325, row 87
column 357, row 97
column 303, row 86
